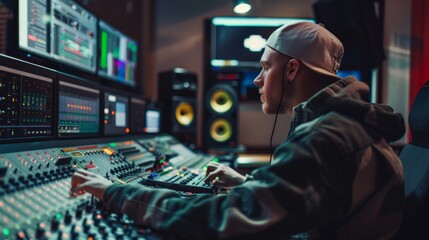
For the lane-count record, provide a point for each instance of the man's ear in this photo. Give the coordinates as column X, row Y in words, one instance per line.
column 292, row 69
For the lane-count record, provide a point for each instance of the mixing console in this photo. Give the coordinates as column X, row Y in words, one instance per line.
column 35, row 182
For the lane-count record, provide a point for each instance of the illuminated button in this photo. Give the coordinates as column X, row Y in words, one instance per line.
column 6, row 232
column 21, row 235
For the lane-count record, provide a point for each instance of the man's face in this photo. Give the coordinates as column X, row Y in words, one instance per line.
column 270, row 79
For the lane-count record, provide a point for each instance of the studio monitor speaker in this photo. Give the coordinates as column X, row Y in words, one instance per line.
column 184, row 114
column 220, row 117
column 177, row 92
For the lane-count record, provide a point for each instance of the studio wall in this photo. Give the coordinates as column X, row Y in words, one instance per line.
column 178, row 30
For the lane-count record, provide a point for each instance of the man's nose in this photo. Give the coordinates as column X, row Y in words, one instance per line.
column 258, row 82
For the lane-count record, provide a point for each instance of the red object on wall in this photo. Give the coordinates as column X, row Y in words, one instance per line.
column 419, row 67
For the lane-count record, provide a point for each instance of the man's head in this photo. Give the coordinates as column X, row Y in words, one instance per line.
column 305, row 56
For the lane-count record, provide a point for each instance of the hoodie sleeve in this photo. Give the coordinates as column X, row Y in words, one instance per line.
column 308, row 185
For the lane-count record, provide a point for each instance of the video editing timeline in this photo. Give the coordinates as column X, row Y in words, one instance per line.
column 34, row 183
column 137, row 115
column 115, row 114
column 118, row 55
column 78, row 110
column 26, row 104
column 59, row 29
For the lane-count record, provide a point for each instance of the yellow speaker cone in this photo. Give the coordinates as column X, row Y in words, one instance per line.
column 221, row 101
column 184, row 113
column 221, row 130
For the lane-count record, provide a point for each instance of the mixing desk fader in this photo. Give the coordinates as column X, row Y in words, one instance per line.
column 182, row 169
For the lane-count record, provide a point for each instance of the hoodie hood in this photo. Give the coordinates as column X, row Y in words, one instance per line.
column 348, row 97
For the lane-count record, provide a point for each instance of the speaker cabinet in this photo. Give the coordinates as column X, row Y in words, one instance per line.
column 358, row 26
column 177, row 93
column 220, row 117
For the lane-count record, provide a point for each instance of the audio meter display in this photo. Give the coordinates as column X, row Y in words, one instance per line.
column 26, row 104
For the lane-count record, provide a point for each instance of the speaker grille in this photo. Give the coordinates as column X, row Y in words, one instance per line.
column 221, row 99
column 185, row 113
column 221, row 130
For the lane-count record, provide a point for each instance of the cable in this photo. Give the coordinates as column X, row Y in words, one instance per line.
column 277, row 113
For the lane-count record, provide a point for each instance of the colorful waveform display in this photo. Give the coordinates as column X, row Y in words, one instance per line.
column 118, row 55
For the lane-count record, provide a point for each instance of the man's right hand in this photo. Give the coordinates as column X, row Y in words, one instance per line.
column 223, row 176
column 84, row 181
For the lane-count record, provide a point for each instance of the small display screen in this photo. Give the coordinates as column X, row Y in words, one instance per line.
column 355, row 73
column 153, row 121
column 26, row 104
column 79, row 110
column 115, row 114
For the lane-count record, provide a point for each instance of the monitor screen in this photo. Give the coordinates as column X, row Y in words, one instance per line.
column 355, row 73
column 137, row 115
column 153, row 120
column 118, row 55
column 238, row 42
column 78, row 110
column 248, row 89
column 26, row 104
column 60, row 30
column 115, row 114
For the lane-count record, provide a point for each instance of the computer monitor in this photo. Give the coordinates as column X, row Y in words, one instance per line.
column 26, row 104
column 248, row 89
column 59, row 30
column 137, row 115
column 78, row 108
column 118, row 55
column 355, row 73
column 237, row 43
column 115, row 114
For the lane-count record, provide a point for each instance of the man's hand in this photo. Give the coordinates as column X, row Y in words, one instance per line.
column 223, row 176
column 83, row 181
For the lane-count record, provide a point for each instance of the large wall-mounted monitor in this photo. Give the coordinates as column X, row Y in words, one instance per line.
column 115, row 114
column 78, row 108
column 237, row 43
column 234, row 46
column 60, row 30
column 118, row 55
column 26, row 104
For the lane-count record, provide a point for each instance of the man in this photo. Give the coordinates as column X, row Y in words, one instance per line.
column 335, row 176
